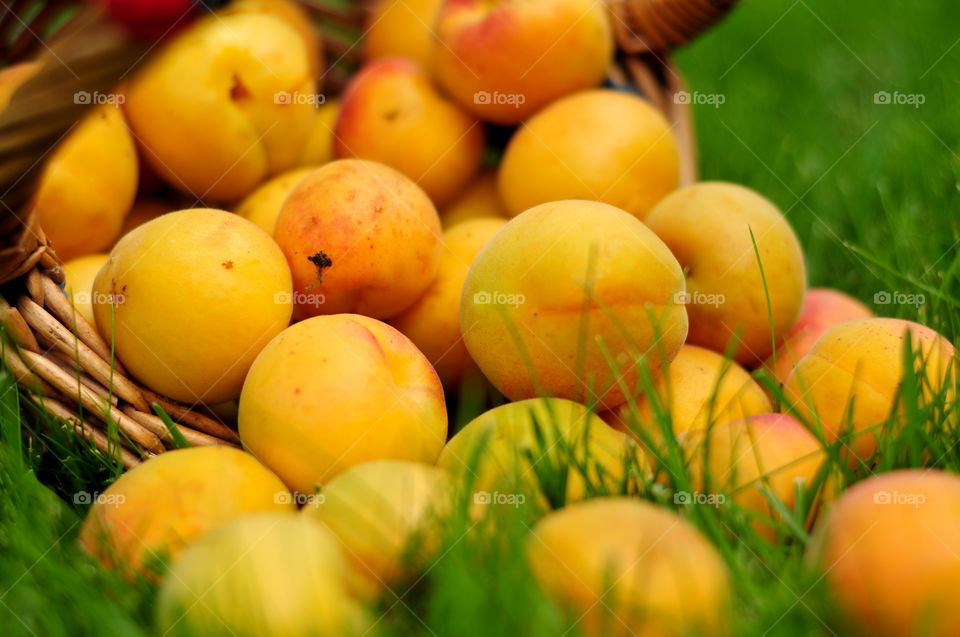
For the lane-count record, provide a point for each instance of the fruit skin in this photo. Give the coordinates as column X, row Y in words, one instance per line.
column 766, row 451
column 257, row 576
column 530, row 282
column 656, row 574
column 433, row 321
column 391, row 113
column 401, row 29
column 523, row 55
column 88, row 184
column 155, row 509
column 332, row 392
column 79, row 274
column 206, row 105
column 263, row 205
column 480, row 199
column 888, row 548
column 861, row 360
column 822, row 309
column 707, row 226
column 602, row 145
column 379, row 231
column 387, row 514
column 701, row 388
column 318, row 148
column 491, row 453
column 293, row 14
column 195, row 295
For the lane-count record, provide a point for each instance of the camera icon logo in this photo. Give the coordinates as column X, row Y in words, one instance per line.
column 682, row 497
column 482, row 298
column 282, row 298
column 82, row 497
column 881, row 497
column 82, row 97
column 682, row 298
column 682, row 97
column 881, row 97
column 881, row 298
column 481, row 97
column 482, row 497
column 283, row 97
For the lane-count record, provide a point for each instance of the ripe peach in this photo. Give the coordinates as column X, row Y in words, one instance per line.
column 708, row 227
column 479, row 199
column 190, row 298
column 359, row 237
column 225, row 104
column 601, row 145
column 503, row 61
column 559, row 284
column 433, row 321
column 318, row 147
column 263, row 205
column 822, row 309
column 155, row 509
column 622, row 566
column 79, row 274
column 401, row 29
column 742, row 458
column 888, row 548
column 701, row 388
column 88, row 184
column 849, row 380
column 332, row 392
column 392, row 114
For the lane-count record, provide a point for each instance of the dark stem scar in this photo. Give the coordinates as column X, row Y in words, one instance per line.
column 237, row 89
column 321, row 261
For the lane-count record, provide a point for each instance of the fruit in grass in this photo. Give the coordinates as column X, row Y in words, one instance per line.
column 643, row 571
column 318, row 147
column 359, row 237
column 401, row 29
column 224, row 105
column 559, row 284
column 263, row 205
column 88, row 184
column 708, row 227
column 888, row 549
column 601, row 145
column 504, row 61
column 332, row 392
column 701, row 388
column 189, row 299
column 387, row 513
column 433, row 321
column 477, row 200
column 155, row 509
column 849, row 381
column 79, row 274
column 261, row 575
column 391, row 113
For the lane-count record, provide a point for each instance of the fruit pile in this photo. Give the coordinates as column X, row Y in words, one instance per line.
column 327, row 274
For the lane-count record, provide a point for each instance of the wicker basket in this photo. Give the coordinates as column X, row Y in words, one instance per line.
column 60, row 362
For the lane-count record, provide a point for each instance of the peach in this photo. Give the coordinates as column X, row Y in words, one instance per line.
column 359, row 237
column 848, row 382
column 562, row 286
column 822, row 309
column 504, row 61
column 601, row 145
column 88, row 184
column 433, row 321
column 700, row 389
column 479, row 199
column 263, row 205
column 401, row 29
column 189, row 299
column 744, row 458
column 332, row 392
column 142, row 211
column 154, row 510
column 888, row 548
column 708, row 227
column 622, row 566
column 318, row 147
column 390, row 113
column 80, row 274
column 225, row 104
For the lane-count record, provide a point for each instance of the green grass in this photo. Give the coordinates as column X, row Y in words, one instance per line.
column 872, row 191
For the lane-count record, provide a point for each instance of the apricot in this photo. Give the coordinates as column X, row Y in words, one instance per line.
column 503, row 61
column 261, row 575
column 189, row 299
column 332, row 392
column 225, row 104
column 359, row 237
column 79, row 274
column 888, row 549
column 708, row 228
column 154, row 510
column 88, row 184
column 744, row 458
column 390, row 113
column 479, row 199
column 601, row 145
column 622, row 566
column 263, row 205
column 849, row 381
column 701, row 388
column 401, row 29
column 318, row 147
column 557, row 287
column 433, row 321
column 293, row 14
